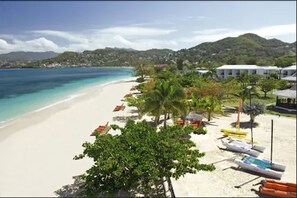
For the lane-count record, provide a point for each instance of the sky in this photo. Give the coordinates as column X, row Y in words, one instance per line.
column 77, row 25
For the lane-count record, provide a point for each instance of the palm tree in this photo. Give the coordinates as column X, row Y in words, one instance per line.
column 243, row 92
column 166, row 98
column 208, row 104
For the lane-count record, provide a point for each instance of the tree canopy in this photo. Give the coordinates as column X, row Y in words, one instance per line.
column 139, row 157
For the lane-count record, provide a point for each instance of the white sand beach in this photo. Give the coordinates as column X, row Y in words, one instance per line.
column 37, row 150
column 222, row 181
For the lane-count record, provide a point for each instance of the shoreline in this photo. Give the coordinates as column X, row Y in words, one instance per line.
column 37, row 150
column 76, row 94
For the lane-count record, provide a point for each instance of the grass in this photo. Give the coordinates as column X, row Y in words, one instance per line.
column 269, row 101
column 275, row 111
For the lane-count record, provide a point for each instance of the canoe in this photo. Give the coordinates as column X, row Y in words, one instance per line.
column 276, row 193
column 262, row 166
column 284, row 186
column 241, row 137
column 242, row 148
column 247, row 144
column 234, row 131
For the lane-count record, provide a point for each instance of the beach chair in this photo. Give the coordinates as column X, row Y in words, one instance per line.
column 102, row 129
column 127, row 95
column 119, row 107
column 180, row 121
column 133, row 89
column 196, row 124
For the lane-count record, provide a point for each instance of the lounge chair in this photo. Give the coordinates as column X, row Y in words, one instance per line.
column 133, row 89
column 180, row 121
column 119, row 107
column 196, row 124
column 102, row 129
column 127, row 95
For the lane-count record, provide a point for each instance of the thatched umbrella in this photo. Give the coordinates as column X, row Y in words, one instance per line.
column 193, row 116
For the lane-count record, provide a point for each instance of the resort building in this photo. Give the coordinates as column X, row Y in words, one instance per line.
column 286, row 99
column 288, row 71
column 235, row 70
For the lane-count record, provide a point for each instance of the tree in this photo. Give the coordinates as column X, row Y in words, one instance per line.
column 143, row 68
column 242, row 91
column 255, row 78
column 179, row 64
column 267, row 85
column 208, row 104
column 166, row 98
column 137, row 102
column 138, row 158
column 282, row 84
column 256, row 109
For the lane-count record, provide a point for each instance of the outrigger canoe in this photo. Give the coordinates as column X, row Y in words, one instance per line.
column 233, row 145
column 247, row 144
column 261, row 166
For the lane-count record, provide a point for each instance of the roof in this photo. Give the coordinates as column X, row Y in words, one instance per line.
column 292, row 67
column 269, row 67
column 287, row 93
column 203, row 71
column 238, row 67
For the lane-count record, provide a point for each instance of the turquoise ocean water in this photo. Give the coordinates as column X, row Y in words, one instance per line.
column 27, row 90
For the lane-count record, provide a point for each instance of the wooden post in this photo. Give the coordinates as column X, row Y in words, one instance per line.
column 271, row 141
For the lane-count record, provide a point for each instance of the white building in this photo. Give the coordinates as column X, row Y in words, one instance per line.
column 288, row 71
column 235, row 70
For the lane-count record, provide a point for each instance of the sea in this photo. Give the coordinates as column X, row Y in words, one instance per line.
column 24, row 91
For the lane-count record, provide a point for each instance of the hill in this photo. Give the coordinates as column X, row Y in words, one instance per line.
column 244, row 49
column 27, row 56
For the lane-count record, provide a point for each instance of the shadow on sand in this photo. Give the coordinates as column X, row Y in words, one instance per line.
column 73, row 190
column 245, row 125
column 124, row 118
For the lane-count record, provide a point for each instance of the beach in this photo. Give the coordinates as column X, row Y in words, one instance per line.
column 37, row 150
column 227, row 180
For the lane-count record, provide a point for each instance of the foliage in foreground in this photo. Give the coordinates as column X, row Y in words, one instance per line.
column 138, row 158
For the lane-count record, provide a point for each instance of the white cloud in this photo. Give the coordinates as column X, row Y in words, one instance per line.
column 276, row 30
column 35, row 45
column 209, row 35
column 137, row 31
column 72, row 37
column 138, row 38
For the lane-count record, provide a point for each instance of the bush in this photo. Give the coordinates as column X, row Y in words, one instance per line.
column 140, row 79
column 256, row 109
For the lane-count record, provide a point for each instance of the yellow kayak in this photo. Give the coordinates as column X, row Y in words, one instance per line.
column 234, row 131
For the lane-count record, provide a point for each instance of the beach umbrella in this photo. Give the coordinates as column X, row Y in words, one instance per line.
column 193, row 116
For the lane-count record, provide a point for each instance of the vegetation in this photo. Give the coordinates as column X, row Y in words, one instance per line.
column 166, row 98
column 267, row 85
column 244, row 49
column 256, row 108
column 138, row 159
column 208, row 104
